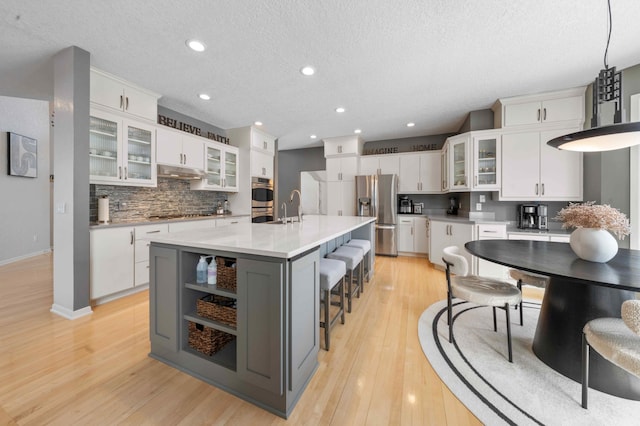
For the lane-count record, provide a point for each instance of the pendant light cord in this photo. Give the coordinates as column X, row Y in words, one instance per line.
column 606, row 51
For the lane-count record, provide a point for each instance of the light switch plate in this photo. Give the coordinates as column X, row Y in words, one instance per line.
column 478, row 206
column 483, row 198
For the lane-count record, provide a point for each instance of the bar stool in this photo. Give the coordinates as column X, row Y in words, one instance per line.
column 527, row 278
column 365, row 245
column 332, row 273
column 352, row 257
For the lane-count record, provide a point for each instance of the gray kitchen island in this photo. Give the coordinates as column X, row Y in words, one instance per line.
column 268, row 353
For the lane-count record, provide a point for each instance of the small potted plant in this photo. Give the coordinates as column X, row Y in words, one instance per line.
column 594, row 223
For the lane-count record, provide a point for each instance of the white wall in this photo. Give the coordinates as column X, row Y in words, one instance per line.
column 24, row 202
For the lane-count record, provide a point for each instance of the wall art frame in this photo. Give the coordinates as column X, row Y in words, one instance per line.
column 22, row 155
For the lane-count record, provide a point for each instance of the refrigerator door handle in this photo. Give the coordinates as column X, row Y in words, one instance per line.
column 385, row 226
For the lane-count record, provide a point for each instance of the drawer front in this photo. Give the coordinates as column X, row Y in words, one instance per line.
column 146, row 231
column 141, row 272
column 559, row 238
column 492, row 231
column 141, row 253
column 529, row 237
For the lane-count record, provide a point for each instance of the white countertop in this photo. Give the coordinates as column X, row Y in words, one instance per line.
column 274, row 240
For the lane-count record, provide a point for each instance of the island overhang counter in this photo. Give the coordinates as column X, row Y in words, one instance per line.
column 268, row 353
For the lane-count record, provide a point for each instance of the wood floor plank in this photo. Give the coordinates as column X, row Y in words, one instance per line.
column 96, row 369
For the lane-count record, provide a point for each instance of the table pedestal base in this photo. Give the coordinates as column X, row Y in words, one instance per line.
column 567, row 306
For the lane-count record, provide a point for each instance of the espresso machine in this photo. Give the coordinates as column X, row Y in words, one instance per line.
column 532, row 216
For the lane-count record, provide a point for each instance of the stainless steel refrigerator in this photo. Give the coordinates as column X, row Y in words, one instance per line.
column 376, row 196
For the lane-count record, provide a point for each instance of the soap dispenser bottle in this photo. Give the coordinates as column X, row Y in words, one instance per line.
column 201, row 270
column 212, row 271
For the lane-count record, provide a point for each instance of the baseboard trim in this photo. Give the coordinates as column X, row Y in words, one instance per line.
column 69, row 314
column 127, row 292
column 24, row 256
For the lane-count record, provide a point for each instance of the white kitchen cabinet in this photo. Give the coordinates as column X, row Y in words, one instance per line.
column 342, row 145
column 561, row 107
column 179, row 149
column 532, row 170
column 261, row 165
column 459, row 162
column 111, row 260
column 141, row 251
column 342, row 168
column 421, row 235
column 191, row 225
column 119, row 258
column 405, row 234
column 341, row 198
column 486, row 161
column 118, row 94
column 220, row 168
column 444, row 167
column 380, row 165
column 444, row 234
column 420, row 173
column 121, row 150
column 529, row 237
column 484, row 268
column 413, row 234
column 262, row 142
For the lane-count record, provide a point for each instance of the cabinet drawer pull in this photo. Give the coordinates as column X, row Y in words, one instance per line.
column 153, row 232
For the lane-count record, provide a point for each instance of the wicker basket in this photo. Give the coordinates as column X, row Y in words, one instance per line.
column 226, row 278
column 207, row 340
column 217, row 308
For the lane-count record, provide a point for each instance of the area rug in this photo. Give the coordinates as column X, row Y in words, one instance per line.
column 476, row 370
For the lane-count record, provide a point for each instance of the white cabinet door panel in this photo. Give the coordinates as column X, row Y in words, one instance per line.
column 560, row 171
column 430, row 172
column 405, row 235
column 520, row 164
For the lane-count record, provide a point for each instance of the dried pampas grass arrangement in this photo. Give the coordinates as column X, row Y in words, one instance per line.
column 598, row 216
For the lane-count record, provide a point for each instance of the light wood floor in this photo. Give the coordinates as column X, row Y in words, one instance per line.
column 95, row 370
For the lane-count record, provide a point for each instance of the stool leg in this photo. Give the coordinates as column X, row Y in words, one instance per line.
column 449, row 319
column 585, row 371
column 349, row 293
column 361, row 275
column 520, row 288
column 341, row 290
column 506, row 309
column 327, row 321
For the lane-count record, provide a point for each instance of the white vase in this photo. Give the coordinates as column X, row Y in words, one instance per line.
column 594, row 245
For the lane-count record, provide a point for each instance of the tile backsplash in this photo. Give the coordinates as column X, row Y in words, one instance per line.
column 170, row 197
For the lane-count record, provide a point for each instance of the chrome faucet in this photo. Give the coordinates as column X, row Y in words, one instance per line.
column 284, row 206
column 295, row 191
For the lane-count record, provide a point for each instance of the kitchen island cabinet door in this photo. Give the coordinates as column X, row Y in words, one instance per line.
column 260, row 324
column 111, row 261
column 163, row 294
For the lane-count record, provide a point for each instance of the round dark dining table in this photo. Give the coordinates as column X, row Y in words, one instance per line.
column 578, row 291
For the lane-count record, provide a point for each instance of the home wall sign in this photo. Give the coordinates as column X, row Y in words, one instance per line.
column 395, row 149
column 23, row 156
column 189, row 128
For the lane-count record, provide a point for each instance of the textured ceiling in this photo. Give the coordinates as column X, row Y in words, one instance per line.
column 388, row 62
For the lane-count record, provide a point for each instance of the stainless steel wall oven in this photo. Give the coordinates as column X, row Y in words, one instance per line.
column 261, row 200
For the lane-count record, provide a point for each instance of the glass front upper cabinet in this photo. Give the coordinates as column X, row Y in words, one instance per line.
column 486, row 154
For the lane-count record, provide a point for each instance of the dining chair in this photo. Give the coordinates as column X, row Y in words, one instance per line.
column 476, row 289
column 616, row 339
column 527, row 278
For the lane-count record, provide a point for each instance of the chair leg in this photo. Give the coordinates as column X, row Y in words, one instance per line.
column 349, row 294
column 449, row 320
column 506, row 309
column 495, row 323
column 585, row 371
column 520, row 288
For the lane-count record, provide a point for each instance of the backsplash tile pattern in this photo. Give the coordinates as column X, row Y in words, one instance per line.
column 170, row 197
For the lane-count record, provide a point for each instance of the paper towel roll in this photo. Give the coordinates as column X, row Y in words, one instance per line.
column 103, row 210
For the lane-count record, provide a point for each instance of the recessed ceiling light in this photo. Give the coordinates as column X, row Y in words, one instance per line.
column 411, row 124
column 196, row 45
column 204, row 96
column 340, row 109
column 258, row 123
column 308, row 70
column 313, row 136
column 357, row 131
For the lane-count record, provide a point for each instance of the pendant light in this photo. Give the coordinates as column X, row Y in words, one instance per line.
column 606, row 88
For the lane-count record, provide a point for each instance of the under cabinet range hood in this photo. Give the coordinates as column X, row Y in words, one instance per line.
column 177, row 172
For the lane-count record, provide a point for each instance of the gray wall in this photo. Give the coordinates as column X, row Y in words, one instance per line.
column 290, row 164
column 477, row 120
column 24, row 215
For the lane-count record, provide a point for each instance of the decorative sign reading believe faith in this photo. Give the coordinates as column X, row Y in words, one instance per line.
column 188, row 128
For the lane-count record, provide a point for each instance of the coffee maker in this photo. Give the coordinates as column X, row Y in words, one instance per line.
column 406, row 206
column 532, row 216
